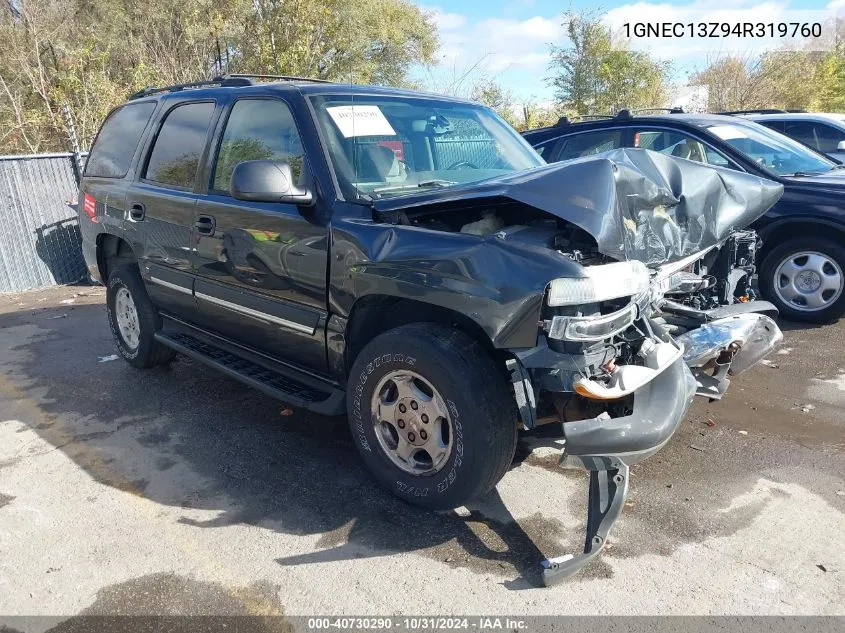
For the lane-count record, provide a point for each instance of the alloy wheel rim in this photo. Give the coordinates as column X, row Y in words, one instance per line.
column 126, row 315
column 808, row 281
column 412, row 423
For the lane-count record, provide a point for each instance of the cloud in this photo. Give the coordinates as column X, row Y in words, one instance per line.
column 447, row 21
column 513, row 51
column 531, row 61
column 533, row 29
column 502, row 43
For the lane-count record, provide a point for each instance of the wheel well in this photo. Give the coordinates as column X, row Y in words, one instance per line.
column 375, row 314
column 112, row 252
column 789, row 230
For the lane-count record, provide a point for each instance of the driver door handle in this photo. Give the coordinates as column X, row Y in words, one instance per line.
column 137, row 212
column 205, row 225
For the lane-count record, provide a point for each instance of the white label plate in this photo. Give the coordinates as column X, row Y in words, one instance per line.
column 360, row 120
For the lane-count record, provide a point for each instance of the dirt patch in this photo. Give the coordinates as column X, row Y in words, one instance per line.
column 164, row 602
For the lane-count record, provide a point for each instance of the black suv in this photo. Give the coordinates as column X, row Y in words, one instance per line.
column 410, row 260
column 802, row 261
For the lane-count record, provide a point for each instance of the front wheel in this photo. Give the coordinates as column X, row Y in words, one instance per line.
column 804, row 278
column 431, row 415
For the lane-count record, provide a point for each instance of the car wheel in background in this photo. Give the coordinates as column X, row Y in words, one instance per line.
column 805, row 278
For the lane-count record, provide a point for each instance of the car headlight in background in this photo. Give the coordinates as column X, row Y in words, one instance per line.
column 601, row 283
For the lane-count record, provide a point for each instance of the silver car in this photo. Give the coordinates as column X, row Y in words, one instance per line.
column 822, row 131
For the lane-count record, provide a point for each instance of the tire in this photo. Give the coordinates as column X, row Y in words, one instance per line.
column 772, row 279
column 481, row 414
column 146, row 351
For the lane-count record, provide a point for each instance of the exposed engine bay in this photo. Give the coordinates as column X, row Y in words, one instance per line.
column 507, row 220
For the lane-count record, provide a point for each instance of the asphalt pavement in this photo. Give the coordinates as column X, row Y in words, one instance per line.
column 179, row 491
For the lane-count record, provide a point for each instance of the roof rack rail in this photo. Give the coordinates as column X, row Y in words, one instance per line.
column 677, row 110
column 278, row 78
column 565, row 120
column 757, row 111
column 231, row 80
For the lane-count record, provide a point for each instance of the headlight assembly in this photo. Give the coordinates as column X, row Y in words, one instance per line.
column 592, row 328
column 601, row 283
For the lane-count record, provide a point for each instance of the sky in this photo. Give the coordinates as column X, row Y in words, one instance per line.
column 509, row 40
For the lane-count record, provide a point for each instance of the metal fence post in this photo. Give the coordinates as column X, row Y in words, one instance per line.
column 75, row 147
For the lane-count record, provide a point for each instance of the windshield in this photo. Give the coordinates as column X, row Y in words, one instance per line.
column 389, row 146
column 776, row 153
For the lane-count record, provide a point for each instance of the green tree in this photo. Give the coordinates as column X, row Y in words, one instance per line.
column 592, row 75
column 368, row 41
column 91, row 54
column 494, row 96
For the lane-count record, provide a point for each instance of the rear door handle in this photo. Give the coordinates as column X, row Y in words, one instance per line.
column 205, row 225
column 137, row 212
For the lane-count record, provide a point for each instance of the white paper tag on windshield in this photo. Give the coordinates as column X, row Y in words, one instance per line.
column 727, row 132
column 360, row 120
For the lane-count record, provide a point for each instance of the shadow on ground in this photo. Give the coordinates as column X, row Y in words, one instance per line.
column 186, row 436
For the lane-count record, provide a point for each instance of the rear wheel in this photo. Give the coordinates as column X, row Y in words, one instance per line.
column 431, row 415
column 134, row 319
column 805, row 279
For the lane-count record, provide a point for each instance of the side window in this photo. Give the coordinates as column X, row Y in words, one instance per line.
column 118, row 139
column 715, row 158
column 549, row 149
column 777, row 126
column 176, row 154
column 257, row 129
column 590, row 143
column 829, row 137
column 804, row 132
column 543, row 150
column 679, row 145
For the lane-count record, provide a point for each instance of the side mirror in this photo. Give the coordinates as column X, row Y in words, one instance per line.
column 841, row 146
column 267, row 181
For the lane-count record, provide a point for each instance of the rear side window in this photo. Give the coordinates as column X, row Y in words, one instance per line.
column 176, row 154
column 118, row 139
column 679, row 145
column 829, row 137
column 590, row 143
column 804, row 132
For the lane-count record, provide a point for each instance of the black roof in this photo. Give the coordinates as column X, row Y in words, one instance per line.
column 263, row 84
column 564, row 126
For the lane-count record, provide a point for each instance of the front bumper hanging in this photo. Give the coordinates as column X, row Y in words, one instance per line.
column 608, row 446
column 608, row 491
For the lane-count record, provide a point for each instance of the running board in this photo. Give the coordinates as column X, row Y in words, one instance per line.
column 282, row 387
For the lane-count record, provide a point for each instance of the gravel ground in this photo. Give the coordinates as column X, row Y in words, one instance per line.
column 179, row 491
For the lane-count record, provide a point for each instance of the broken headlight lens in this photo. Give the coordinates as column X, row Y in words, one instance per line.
column 592, row 328
column 601, row 283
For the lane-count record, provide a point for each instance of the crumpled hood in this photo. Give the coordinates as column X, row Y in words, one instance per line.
column 636, row 203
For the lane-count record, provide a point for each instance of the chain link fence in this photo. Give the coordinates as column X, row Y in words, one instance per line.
column 40, row 242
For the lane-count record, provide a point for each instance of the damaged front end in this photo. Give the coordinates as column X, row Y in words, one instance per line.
column 608, row 378
column 566, row 269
